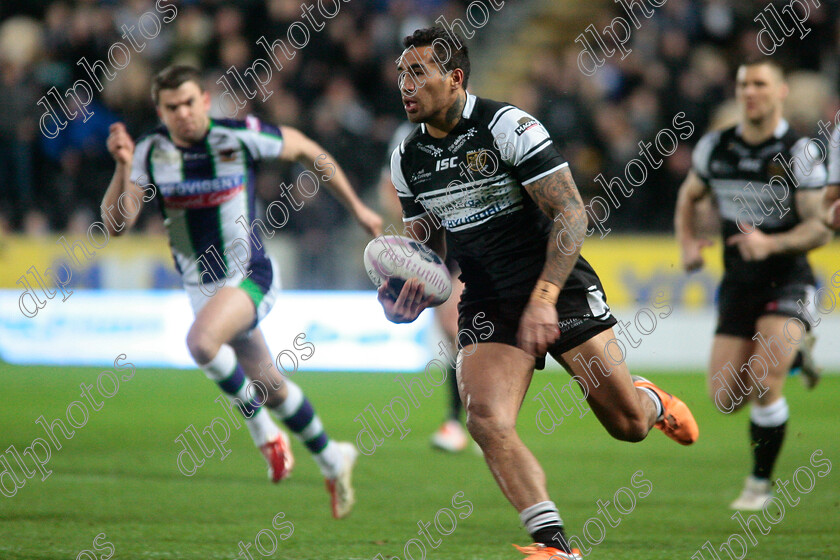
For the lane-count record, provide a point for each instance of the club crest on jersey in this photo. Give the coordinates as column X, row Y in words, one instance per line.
column 478, row 160
column 431, row 150
column 461, row 139
column 524, row 124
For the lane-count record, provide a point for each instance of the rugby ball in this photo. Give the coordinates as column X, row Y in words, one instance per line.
column 402, row 258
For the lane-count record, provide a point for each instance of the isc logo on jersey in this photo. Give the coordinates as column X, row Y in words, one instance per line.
column 446, row 163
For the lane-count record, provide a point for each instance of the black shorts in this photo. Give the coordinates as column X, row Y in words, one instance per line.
column 581, row 313
column 740, row 305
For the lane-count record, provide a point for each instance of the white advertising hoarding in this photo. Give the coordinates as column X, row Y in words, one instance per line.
column 348, row 330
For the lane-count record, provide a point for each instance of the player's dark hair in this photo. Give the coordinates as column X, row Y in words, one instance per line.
column 447, row 48
column 172, row 77
column 764, row 61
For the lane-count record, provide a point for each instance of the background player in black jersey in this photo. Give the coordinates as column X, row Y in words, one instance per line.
column 831, row 201
column 515, row 222
column 204, row 171
column 768, row 225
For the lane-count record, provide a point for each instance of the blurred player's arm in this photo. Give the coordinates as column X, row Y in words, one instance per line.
column 692, row 191
column 831, row 198
column 388, row 199
column 302, row 149
column 121, row 147
column 809, row 234
column 831, row 207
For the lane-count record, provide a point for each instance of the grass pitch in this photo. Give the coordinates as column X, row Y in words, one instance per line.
column 118, row 476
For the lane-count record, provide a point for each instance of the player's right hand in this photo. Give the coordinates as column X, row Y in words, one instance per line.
column 538, row 328
column 120, row 144
column 692, row 253
column 408, row 305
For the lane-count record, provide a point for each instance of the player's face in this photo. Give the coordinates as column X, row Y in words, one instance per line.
column 184, row 112
column 426, row 92
column 760, row 92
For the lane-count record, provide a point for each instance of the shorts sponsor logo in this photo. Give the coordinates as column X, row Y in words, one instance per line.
column 569, row 324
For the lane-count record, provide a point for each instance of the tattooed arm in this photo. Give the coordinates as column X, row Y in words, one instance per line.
column 558, row 197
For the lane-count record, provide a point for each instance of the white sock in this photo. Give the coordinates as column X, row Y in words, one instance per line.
column 330, row 460
column 770, row 416
column 262, row 427
column 656, row 401
column 294, row 399
column 297, row 414
column 222, row 365
column 539, row 516
column 222, row 370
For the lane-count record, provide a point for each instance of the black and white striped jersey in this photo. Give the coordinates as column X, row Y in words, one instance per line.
column 471, row 182
column 206, row 190
column 755, row 186
column 834, row 158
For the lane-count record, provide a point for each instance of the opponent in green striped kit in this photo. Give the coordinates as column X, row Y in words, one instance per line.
column 204, row 170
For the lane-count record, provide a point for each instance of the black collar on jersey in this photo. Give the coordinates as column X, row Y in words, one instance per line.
column 200, row 144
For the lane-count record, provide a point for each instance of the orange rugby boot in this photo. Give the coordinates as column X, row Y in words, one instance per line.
column 677, row 421
column 539, row 551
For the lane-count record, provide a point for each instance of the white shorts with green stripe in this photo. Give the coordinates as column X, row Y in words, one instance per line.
column 263, row 298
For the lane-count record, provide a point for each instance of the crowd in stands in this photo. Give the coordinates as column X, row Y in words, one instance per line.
column 341, row 90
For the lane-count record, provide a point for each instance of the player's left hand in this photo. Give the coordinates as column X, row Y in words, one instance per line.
column 538, row 328
column 755, row 246
column 833, row 216
column 368, row 219
column 406, row 306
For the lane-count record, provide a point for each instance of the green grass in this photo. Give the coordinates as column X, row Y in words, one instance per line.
column 117, row 475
